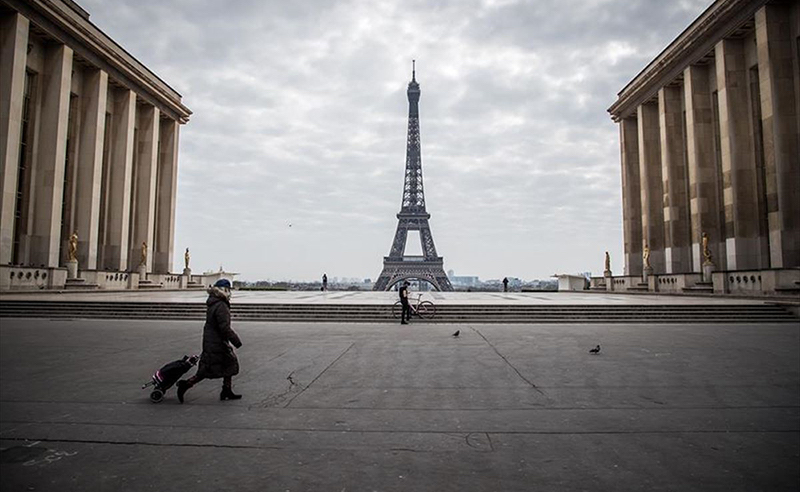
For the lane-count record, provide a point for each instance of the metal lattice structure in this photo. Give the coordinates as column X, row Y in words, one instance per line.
column 413, row 216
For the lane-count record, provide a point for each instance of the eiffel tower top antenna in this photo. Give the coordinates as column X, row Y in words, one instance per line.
column 414, row 70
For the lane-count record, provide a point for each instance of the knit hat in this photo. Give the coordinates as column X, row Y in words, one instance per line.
column 223, row 282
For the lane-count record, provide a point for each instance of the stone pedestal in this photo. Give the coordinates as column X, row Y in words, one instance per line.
column 72, row 269
column 80, row 283
column 647, row 272
column 708, row 269
column 73, row 282
column 609, row 280
column 144, row 282
column 187, row 272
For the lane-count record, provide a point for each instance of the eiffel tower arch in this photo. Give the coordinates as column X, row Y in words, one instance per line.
column 413, row 216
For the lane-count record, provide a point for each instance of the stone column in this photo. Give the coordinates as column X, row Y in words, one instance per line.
column 705, row 202
column 738, row 166
column 166, row 192
column 675, row 181
column 14, row 46
column 52, row 152
column 90, row 166
column 651, row 183
column 119, row 192
column 145, row 201
column 780, row 133
column 631, row 195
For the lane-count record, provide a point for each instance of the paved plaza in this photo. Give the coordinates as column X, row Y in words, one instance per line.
column 352, row 407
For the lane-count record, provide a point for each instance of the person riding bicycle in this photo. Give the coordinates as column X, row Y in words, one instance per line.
column 405, row 317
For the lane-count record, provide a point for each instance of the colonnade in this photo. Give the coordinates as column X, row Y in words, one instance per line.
column 84, row 149
column 715, row 150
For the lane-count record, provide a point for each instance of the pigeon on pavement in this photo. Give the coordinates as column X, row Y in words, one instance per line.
column 458, row 332
column 595, row 350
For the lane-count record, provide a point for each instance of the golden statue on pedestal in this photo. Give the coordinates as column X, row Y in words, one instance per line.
column 144, row 254
column 186, row 258
column 73, row 247
column 706, row 252
column 646, row 255
column 608, row 262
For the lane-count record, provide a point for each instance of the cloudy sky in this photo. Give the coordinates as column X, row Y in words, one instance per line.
column 292, row 163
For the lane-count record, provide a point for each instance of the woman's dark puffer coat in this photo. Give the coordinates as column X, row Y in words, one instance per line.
column 218, row 359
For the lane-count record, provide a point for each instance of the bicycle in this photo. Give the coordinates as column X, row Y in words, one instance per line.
column 423, row 309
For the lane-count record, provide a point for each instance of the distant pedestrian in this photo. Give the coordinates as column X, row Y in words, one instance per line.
column 505, row 284
column 405, row 317
column 324, row 281
column 218, row 359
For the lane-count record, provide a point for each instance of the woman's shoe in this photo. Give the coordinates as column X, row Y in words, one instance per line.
column 183, row 385
column 228, row 394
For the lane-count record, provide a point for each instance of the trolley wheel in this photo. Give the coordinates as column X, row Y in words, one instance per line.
column 156, row 396
column 426, row 310
column 397, row 310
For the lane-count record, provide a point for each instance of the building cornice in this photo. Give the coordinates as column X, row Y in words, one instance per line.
column 66, row 25
column 719, row 20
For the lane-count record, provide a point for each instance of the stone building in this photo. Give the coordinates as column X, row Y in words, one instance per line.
column 709, row 144
column 88, row 145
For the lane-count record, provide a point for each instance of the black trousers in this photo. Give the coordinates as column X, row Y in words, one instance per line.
column 406, row 315
column 227, row 381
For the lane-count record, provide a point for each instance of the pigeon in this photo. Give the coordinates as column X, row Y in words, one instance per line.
column 595, row 350
column 458, row 332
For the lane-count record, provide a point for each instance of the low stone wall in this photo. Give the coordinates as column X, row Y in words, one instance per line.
column 167, row 280
column 755, row 282
column 31, row 278
column 675, row 283
column 14, row 278
column 110, row 280
column 770, row 282
column 624, row 283
column 620, row 284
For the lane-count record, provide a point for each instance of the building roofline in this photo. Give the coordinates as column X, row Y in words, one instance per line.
column 695, row 42
column 62, row 20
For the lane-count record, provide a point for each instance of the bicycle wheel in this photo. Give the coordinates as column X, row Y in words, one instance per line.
column 426, row 310
column 397, row 309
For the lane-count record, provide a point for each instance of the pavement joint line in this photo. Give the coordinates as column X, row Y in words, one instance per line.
column 426, row 432
column 494, row 410
column 145, row 443
column 533, row 407
column 507, row 361
column 566, row 388
column 352, row 344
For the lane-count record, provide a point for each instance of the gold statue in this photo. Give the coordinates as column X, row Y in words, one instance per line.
column 608, row 262
column 144, row 254
column 646, row 255
column 706, row 252
column 186, row 258
column 73, row 247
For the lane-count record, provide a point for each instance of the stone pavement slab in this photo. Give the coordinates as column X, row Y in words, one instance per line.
column 336, row 406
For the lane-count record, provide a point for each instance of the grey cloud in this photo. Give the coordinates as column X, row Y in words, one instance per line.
column 300, row 117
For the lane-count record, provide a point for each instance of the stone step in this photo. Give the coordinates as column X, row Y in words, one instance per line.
column 642, row 307
column 445, row 313
column 439, row 312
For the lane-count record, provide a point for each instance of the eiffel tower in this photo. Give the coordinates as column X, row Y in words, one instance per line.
column 413, row 216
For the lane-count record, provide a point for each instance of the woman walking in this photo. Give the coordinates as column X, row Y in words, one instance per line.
column 217, row 359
